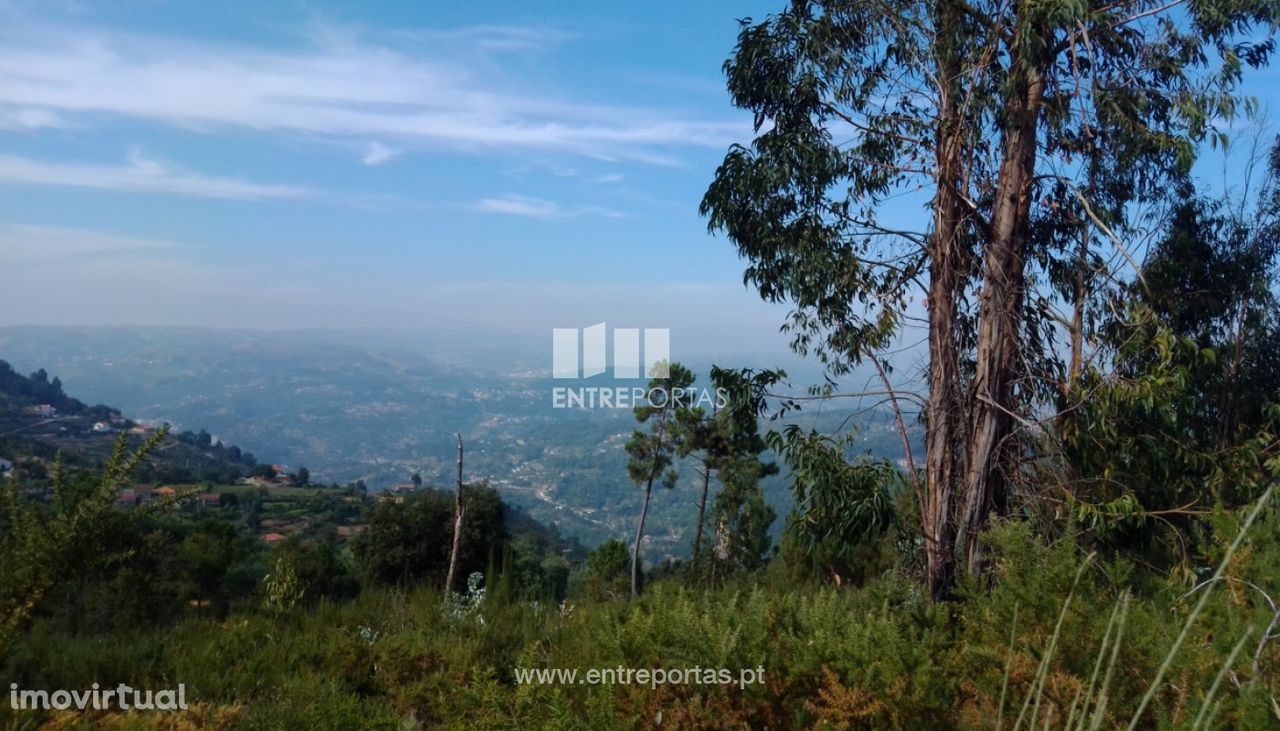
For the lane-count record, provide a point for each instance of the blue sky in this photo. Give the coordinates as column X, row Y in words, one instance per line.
column 500, row 167
column 506, row 167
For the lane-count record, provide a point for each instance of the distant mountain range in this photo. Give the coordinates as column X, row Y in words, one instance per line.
column 382, row 408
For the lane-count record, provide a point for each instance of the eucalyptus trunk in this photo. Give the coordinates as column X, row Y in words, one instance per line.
column 1000, row 320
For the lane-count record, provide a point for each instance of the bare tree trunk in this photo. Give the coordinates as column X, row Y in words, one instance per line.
column 1077, row 314
column 946, row 269
column 458, row 510
column 635, row 552
column 702, row 512
column 1080, row 294
column 1000, row 319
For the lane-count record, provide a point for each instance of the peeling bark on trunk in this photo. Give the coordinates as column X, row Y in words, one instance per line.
column 938, row 497
column 1000, row 319
column 946, row 276
column 1077, row 314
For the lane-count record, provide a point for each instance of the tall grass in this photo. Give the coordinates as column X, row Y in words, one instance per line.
column 1097, row 695
column 1055, row 638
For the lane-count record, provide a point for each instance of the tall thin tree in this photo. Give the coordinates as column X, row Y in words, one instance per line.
column 459, row 510
column 652, row 452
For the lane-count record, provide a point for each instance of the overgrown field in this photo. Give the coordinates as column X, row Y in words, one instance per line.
column 1057, row 638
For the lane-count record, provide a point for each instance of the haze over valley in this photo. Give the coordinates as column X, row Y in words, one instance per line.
column 383, row 406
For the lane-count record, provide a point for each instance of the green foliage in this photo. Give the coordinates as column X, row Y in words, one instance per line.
column 40, row 549
column 282, row 589
column 1032, row 135
column 605, row 574
column 408, row 542
column 651, row 453
column 1042, row 637
column 208, row 553
column 742, row 517
column 312, row 570
column 1141, row 467
column 840, row 503
column 726, row 445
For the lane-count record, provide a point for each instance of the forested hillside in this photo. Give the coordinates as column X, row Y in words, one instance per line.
column 19, row 393
column 39, row 423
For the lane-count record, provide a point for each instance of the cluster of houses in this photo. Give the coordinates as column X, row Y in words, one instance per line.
column 279, row 478
column 114, row 423
column 397, row 493
column 144, row 494
column 117, row 423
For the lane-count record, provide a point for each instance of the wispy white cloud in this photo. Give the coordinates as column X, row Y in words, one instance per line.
column 25, row 243
column 377, row 153
column 140, row 174
column 337, row 86
column 27, row 118
column 491, row 38
column 517, row 205
column 521, row 206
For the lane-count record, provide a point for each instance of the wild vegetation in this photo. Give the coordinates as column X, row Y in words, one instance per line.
column 1089, row 538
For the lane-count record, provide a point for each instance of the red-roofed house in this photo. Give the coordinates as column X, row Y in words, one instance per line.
column 273, row 537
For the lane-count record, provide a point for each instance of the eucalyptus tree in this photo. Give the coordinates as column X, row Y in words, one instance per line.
column 1026, row 130
column 1186, row 411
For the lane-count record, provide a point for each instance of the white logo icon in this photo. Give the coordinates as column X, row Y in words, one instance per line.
column 626, row 352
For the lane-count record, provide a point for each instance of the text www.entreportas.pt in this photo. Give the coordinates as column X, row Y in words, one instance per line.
column 652, row 677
